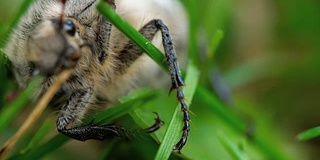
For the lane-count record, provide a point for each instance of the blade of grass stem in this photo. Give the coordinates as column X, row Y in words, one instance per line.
column 3, row 78
column 209, row 62
column 108, row 149
column 15, row 107
column 131, row 104
column 309, row 134
column 38, row 152
column 42, row 132
column 193, row 30
column 215, row 41
column 25, row 5
column 266, row 147
column 210, row 100
column 234, row 151
column 132, row 33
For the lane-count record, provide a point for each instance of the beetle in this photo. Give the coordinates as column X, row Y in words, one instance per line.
column 106, row 65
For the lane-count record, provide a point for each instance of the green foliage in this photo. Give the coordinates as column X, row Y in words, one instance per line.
column 235, row 151
column 13, row 22
column 3, row 78
column 12, row 110
column 309, row 134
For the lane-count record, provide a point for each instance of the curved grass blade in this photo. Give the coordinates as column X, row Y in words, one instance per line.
column 210, row 100
column 234, row 151
column 309, row 134
column 215, row 41
column 132, row 33
column 192, row 11
column 15, row 107
column 129, row 103
column 44, row 149
column 25, row 5
column 42, row 132
column 3, row 77
column 266, row 147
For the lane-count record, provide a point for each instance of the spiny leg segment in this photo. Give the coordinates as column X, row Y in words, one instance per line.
column 176, row 79
column 131, row 52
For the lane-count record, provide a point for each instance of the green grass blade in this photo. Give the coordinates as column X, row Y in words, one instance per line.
column 193, row 48
column 237, row 123
column 108, row 149
column 215, row 41
column 25, row 5
column 193, row 32
column 43, row 131
column 3, row 78
column 309, row 134
column 15, row 107
column 130, row 103
column 234, row 151
column 209, row 62
column 132, row 33
column 44, row 149
column 209, row 99
column 173, row 134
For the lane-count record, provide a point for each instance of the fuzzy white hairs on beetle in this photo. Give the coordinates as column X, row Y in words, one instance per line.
column 106, row 65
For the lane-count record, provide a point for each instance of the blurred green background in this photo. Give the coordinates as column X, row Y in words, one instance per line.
column 270, row 59
column 265, row 69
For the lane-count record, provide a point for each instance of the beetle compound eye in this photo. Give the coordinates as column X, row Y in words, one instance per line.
column 69, row 27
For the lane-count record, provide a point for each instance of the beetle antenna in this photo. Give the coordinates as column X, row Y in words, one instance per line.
column 62, row 12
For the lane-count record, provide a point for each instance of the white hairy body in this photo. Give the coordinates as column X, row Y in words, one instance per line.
column 108, row 83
